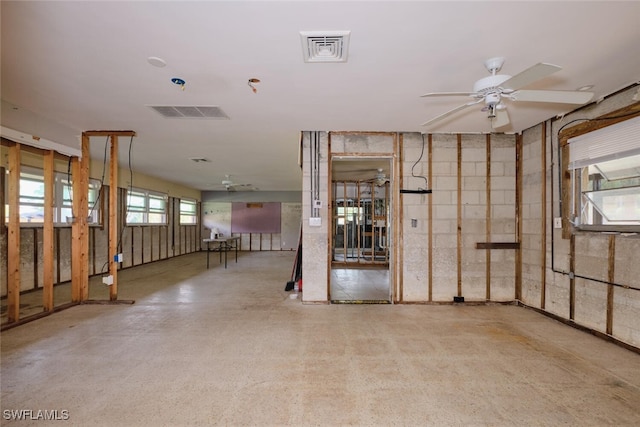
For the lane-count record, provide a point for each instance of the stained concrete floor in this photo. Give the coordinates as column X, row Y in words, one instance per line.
column 230, row 347
column 360, row 284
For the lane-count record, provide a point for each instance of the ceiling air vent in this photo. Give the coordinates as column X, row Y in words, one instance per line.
column 325, row 46
column 200, row 159
column 190, row 112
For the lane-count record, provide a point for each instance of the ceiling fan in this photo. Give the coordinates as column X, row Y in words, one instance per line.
column 229, row 185
column 493, row 89
column 379, row 179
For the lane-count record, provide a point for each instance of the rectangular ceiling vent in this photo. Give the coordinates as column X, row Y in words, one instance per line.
column 191, row 112
column 325, row 46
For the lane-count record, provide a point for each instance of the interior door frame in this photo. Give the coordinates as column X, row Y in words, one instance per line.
column 393, row 217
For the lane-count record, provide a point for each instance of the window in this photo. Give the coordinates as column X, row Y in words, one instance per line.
column 32, row 198
column 146, row 207
column 605, row 177
column 188, row 212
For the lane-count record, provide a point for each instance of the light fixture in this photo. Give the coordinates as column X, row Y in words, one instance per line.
column 156, row 62
column 252, row 84
column 178, row 81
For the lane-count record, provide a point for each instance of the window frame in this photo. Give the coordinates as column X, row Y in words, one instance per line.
column 574, row 178
column 34, row 174
column 191, row 213
column 146, row 210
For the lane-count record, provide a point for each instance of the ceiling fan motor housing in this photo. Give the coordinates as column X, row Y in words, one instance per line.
column 490, row 84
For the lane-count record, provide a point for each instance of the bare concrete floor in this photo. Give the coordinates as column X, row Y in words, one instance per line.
column 229, row 347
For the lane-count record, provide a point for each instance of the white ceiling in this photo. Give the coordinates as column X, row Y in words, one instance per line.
column 82, row 65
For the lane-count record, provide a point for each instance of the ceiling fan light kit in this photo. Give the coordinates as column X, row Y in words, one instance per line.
column 494, row 88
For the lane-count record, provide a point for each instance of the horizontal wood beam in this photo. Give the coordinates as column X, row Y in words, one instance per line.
column 497, row 245
column 109, row 133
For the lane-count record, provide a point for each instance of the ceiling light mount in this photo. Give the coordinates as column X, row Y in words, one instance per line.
column 178, row 81
column 252, row 84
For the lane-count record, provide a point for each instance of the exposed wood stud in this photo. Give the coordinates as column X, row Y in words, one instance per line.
column 572, row 279
column 36, row 262
column 113, row 217
column 47, row 232
column 400, row 220
column 330, row 206
column 79, row 227
column 543, row 223
column 459, row 216
column 430, row 215
column 13, row 242
column 611, row 277
column 518, row 197
column 488, row 219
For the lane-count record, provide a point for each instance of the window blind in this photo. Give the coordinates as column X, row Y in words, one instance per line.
column 609, row 143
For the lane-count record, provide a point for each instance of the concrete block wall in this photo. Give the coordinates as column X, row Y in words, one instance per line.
column 478, row 222
column 315, row 251
column 546, row 269
column 415, row 241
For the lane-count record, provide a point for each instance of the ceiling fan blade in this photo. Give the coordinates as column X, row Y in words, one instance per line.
column 559, row 96
column 450, row 112
column 530, row 75
column 474, row 94
column 501, row 119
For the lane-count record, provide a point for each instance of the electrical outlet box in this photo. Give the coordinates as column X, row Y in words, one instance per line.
column 557, row 222
column 315, row 221
column 317, row 204
column 117, row 258
column 108, row 280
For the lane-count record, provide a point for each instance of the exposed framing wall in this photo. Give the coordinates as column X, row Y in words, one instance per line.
column 586, row 279
column 43, row 243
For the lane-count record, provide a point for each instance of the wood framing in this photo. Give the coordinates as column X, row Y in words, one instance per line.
column 572, row 277
column 611, row 278
column 47, row 232
column 79, row 227
column 488, row 219
column 497, row 245
column 430, row 213
column 543, row 214
column 13, row 242
column 400, row 242
column 459, row 216
column 113, row 217
column 518, row 257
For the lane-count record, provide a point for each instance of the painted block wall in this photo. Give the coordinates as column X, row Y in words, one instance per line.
column 546, row 283
column 217, row 214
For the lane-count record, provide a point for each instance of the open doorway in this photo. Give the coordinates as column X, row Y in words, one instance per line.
column 361, row 220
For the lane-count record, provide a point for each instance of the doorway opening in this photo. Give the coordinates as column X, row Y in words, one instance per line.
column 361, row 220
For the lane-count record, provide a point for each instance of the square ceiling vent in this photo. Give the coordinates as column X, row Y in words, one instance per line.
column 190, row 112
column 325, row 46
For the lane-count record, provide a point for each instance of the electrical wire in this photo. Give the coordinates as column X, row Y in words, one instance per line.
column 553, row 268
column 104, row 167
column 426, row 181
column 69, row 187
column 124, row 220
